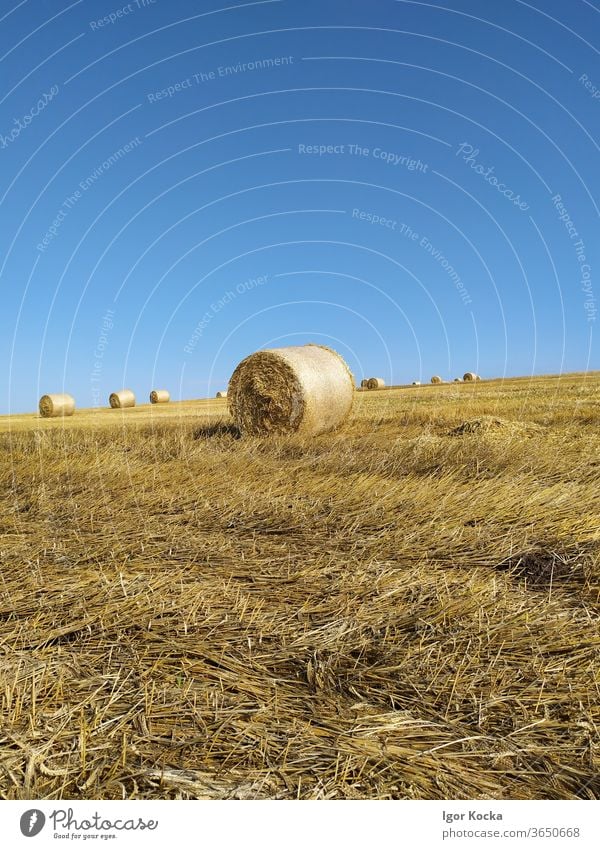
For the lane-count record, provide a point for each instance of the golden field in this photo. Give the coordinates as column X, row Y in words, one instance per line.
column 407, row 608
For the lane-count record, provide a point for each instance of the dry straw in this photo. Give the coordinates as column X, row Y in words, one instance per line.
column 124, row 398
column 160, row 396
column 301, row 389
column 469, row 376
column 375, row 383
column 221, row 394
column 60, row 404
column 436, row 379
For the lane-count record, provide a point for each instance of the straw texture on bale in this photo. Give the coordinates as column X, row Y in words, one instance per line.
column 469, row 376
column 160, row 396
column 60, row 404
column 305, row 389
column 124, row 398
column 221, row 394
column 375, row 383
column 436, row 379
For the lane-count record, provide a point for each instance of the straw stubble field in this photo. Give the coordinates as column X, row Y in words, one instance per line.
column 408, row 608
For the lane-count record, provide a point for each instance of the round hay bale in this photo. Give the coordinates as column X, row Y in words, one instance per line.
column 457, row 380
column 416, row 383
column 305, row 389
column 469, row 376
column 375, row 383
column 60, row 404
column 436, row 379
column 364, row 383
column 221, row 394
column 124, row 398
column 160, row 396
column 477, row 378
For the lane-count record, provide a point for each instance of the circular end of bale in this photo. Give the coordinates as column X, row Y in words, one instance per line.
column 436, row 379
column 305, row 389
column 469, row 376
column 375, row 383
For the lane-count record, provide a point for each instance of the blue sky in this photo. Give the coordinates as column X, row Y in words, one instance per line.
column 414, row 184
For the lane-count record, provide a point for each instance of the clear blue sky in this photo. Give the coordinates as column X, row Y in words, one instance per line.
column 183, row 183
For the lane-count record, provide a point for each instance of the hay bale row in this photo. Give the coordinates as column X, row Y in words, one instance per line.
column 305, row 389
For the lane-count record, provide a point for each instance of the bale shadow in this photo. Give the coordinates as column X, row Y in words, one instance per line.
column 210, row 431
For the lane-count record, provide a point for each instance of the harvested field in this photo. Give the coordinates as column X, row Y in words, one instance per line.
column 406, row 608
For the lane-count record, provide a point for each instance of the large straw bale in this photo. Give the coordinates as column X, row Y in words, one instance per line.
column 60, row 404
column 304, row 389
column 160, row 396
column 469, row 376
column 123, row 398
column 375, row 383
column 436, row 379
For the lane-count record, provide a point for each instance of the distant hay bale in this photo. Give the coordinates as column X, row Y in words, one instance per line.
column 457, row 380
column 60, row 404
column 305, row 389
column 436, row 379
column 364, row 383
column 375, row 383
column 477, row 377
column 222, row 394
column 416, row 383
column 160, row 396
column 124, row 398
column 469, row 376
